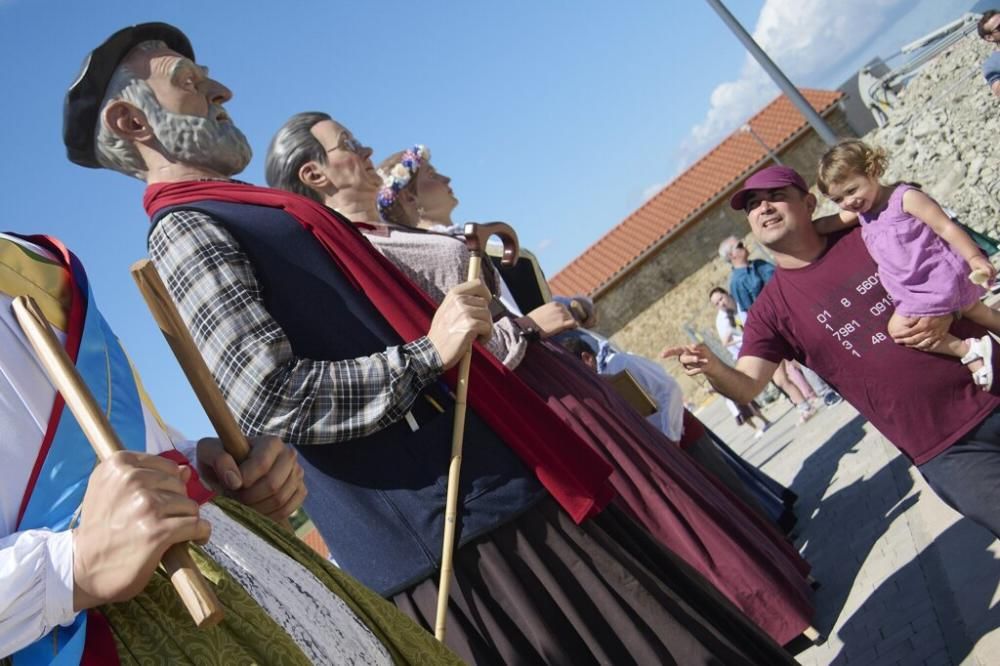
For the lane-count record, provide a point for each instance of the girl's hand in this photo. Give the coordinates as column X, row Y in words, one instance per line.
column 983, row 272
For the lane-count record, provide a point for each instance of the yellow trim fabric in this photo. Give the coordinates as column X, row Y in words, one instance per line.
column 24, row 273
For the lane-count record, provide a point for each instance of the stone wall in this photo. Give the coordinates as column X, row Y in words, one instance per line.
column 665, row 300
column 681, row 315
column 670, row 268
column 945, row 134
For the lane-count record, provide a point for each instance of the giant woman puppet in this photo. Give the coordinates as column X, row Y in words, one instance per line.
column 656, row 483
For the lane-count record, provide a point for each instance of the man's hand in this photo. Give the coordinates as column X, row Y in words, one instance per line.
column 134, row 509
column 463, row 316
column 697, row 359
column 919, row 332
column 552, row 318
column 270, row 480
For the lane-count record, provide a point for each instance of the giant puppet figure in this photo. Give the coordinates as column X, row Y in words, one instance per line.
column 79, row 544
column 313, row 335
column 657, row 483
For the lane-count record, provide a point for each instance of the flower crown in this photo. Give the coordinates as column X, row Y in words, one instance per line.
column 400, row 175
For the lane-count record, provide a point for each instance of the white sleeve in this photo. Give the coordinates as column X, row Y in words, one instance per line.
column 187, row 447
column 724, row 328
column 672, row 412
column 507, row 343
column 36, row 579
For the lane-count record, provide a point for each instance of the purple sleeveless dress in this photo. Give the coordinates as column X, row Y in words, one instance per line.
column 922, row 273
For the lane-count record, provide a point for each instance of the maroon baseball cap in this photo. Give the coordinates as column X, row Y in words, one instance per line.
column 768, row 178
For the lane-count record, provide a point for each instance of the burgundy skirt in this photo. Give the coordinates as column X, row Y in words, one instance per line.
column 736, row 549
column 543, row 590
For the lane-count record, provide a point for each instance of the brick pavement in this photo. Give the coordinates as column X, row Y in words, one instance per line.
column 904, row 579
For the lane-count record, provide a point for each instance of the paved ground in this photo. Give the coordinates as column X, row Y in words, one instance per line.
column 904, row 579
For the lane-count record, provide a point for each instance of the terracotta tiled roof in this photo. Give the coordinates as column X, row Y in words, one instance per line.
column 718, row 171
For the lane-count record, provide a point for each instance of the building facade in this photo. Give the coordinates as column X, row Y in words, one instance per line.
column 650, row 276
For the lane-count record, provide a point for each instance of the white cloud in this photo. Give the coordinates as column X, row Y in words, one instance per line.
column 805, row 38
column 541, row 245
column 651, row 191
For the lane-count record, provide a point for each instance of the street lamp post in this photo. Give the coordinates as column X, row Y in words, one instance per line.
column 770, row 153
column 804, row 107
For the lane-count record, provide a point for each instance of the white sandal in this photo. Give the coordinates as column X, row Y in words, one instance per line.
column 981, row 349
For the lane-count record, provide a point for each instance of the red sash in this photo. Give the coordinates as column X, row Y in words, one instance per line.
column 574, row 475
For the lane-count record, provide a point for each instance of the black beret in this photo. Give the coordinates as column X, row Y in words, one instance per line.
column 84, row 97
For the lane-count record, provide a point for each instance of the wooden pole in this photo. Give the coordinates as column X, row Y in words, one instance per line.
column 193, row 589
column 182, row 344
column 454, row 470
column 179, row 339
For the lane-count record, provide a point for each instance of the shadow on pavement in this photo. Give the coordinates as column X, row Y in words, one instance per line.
column 951, row 581
column 838, row 531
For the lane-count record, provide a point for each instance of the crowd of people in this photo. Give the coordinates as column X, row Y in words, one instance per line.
column 333, row 308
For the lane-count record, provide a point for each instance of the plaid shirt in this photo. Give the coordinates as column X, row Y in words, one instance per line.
column 269, row 389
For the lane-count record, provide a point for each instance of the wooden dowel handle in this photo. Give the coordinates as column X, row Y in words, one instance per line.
column 191, row 586
column 182, row 344
column 454, row 476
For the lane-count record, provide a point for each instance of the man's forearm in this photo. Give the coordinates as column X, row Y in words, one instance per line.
column 738, row 386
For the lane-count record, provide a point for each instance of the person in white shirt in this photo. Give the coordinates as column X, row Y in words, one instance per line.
column 729, row 324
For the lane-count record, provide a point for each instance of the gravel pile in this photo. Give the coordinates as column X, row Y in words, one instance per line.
column 944, row 133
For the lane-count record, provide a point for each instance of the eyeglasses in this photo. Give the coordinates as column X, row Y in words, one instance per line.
column 349, row 143
column 993, row 35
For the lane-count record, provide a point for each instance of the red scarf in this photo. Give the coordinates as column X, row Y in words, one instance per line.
column 574, row 475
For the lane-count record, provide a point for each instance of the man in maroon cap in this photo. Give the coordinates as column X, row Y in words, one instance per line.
column 826, row 309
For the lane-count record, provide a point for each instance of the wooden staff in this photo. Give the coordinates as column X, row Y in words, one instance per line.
column 176, row 333
column 194, row 591
column 181, row 343
column 476, row 236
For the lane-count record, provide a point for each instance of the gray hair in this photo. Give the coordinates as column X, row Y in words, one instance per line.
column 726, row 248
column 112, row 151
column 293, row 146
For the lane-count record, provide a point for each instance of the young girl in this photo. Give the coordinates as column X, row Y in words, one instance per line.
column 924, row 258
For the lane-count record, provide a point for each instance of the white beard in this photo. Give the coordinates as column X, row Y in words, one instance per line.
column 202, row 142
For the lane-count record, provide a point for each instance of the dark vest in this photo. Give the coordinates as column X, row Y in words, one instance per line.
column 378, row 501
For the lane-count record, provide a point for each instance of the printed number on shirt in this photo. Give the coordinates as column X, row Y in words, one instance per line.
column 846, row 330
column 879, row 337
column 867, row 284
column 882, row 306
column 841, row 333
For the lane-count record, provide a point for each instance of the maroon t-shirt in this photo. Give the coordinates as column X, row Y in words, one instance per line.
column 832, row 316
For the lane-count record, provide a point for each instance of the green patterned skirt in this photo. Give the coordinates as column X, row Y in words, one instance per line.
column 154, row 628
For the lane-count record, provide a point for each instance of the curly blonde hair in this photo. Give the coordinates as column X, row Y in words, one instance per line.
column 848, row 158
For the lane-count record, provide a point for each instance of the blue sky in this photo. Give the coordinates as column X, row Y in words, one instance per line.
column 558, row 116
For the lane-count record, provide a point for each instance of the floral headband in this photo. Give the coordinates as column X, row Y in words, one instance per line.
column 400, row 175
